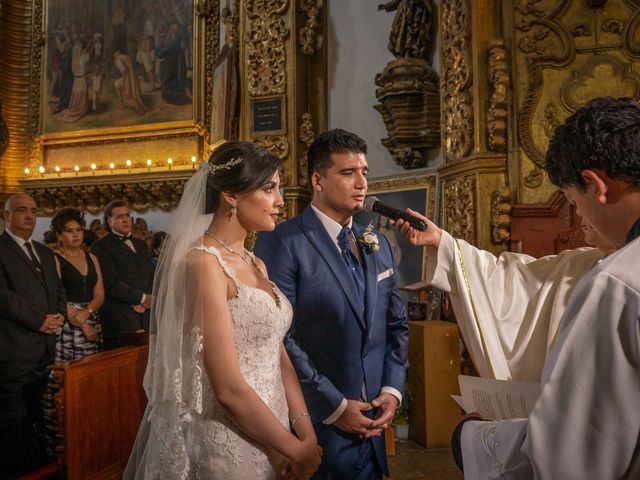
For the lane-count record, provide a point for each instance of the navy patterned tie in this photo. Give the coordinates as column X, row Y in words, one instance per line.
column 352, row 262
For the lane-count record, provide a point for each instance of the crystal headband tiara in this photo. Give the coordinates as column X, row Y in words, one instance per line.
column 213, row 168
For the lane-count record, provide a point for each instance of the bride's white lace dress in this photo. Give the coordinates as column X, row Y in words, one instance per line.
column 208, row 444
column 259, row 328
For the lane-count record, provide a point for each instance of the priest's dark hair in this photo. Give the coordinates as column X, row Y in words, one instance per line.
column 603, row 134
column 332, row 141
column 254, row 171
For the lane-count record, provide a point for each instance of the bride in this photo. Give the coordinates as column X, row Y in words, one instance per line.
column 222, row 391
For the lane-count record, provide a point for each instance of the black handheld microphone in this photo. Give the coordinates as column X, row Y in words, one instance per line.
column 372, row 204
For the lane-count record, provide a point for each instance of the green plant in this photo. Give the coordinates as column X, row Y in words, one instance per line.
column 402, row 414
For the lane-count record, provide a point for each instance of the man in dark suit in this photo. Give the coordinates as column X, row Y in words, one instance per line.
column 128, row 277
column 32, row 309
column 348, row 340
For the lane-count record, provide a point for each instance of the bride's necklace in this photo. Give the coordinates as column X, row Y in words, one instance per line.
column 244, row 255
column 71, row 255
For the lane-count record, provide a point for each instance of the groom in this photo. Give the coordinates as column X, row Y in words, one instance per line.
column 348, row 340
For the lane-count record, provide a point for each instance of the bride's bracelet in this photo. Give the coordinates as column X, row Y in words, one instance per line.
column 298, row 417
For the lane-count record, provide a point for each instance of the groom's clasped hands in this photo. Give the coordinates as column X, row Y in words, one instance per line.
column 354, row 419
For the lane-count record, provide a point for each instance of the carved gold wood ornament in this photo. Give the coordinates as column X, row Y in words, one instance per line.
column 409, row 105
column 501, row 216
column 306, row 138
column 457, row 78
column 566, row 53
column 499, row 78
column 142, row 192
column 459, row 207
column 307, row 33
column 265, row 37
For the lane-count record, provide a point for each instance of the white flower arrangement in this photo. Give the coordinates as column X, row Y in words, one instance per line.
column 369, row 240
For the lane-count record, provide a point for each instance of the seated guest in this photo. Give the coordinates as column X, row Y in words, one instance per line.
column 128, row 277
column 157, row 240
column 82, row 280
column 32, row 309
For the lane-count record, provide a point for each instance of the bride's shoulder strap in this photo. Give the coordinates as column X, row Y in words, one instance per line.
column 230, row 272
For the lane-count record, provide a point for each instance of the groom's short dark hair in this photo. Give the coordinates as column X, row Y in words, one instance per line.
column 332, row 141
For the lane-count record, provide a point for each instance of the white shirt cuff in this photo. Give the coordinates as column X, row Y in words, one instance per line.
column 393, row 392
column 337, row 412
column 144, row 297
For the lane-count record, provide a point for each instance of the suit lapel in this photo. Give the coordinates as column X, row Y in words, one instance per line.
column 23, row 256
column 320, row 239
column 370, row 277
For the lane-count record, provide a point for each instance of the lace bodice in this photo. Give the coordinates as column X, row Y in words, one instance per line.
column 260, row 323
column 186, row 434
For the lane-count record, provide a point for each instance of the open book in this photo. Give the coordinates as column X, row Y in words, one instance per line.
column 497, row 399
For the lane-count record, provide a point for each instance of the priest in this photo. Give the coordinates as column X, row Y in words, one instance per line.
column 585, row 423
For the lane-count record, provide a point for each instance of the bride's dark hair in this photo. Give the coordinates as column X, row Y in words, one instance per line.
column 254, row 170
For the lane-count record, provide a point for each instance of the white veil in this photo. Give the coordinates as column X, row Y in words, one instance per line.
column 173, row 379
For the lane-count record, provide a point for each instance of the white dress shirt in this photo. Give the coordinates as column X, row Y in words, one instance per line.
column 21, row 242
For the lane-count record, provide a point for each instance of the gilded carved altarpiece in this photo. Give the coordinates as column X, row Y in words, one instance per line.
column 565, row 53
column 281, row 54
column 513, row 70
column 284, row 55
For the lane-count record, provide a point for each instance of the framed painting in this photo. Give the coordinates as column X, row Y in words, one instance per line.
column 417, row 193
column 223, row 95
column 114, row 71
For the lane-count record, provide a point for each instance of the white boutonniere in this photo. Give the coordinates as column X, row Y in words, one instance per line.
column 369, row 240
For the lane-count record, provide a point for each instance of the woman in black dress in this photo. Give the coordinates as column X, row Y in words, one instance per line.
column 80, row 333
column 82, row 280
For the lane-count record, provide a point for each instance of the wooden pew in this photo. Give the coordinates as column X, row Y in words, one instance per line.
column 100, row 406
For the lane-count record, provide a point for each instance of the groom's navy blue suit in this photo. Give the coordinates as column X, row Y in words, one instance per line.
column 335, row 347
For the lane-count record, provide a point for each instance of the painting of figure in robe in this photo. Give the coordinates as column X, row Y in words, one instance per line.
column 116, row 63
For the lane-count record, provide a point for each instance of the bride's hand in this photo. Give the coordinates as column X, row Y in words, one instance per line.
column 283, row 472
column 306, row 460
column 280, row 464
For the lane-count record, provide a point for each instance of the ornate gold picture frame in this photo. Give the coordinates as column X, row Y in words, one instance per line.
column 119, row 86
column 223, row 95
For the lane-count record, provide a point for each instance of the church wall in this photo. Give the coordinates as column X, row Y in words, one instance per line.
column 357, row 50
column 357, row 39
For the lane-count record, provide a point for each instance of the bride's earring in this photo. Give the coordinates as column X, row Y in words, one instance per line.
column 233, row 211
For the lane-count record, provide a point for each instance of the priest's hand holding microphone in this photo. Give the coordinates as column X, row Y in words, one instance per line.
column 417, row 229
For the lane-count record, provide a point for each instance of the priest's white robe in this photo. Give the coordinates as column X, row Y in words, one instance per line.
column 508, row 307
column 586, row 422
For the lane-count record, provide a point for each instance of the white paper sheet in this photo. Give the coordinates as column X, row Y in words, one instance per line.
column 497, row 399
